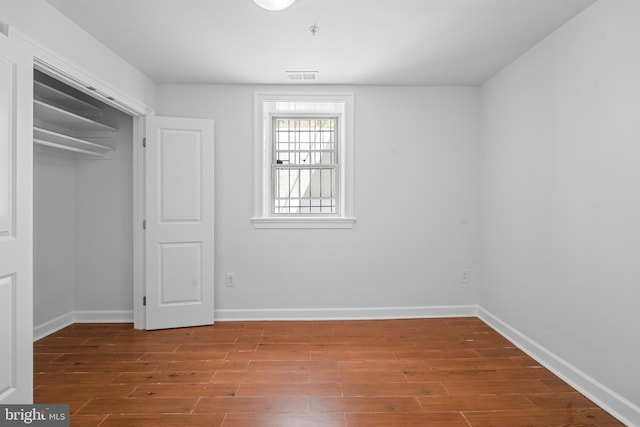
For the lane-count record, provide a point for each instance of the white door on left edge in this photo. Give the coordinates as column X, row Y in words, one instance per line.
column 179, row 215
column 16, row 225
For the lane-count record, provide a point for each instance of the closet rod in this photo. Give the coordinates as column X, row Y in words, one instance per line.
column 63, row 139
column 65, row 147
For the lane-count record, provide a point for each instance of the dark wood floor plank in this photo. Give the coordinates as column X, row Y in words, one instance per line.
column 350, row 354
column 453, row 375
column 365, row 404
column 203, row 365
column 570, row 400
column 528, row 418
column 58, row 393
column 600, row 417
column 363, row 377
column 211, row 354
column 474, row 387
column 40, row 349
column 98, row 357
column 432, row 354
column 185, row 390
column 261, row 377
column 270, row 355
column 444, row 419
column 382, row 364
column 74, row 379
column 171, row 377
column 285, row 420
column 280, row 389
column 295, row 365
column 169, row 420
column 280, row 404
column 475, row 403
column 107, row 367
column 393, row 389
column 87, row 420
column 135, row 406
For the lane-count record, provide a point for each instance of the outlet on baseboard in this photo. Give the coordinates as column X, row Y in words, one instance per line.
column 465, row 276
column 231, row 280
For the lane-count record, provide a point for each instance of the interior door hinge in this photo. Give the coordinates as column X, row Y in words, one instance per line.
column 144, row 300
column 144, row 224
column 144, row 142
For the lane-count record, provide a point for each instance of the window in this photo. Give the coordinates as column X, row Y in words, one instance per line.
column 305, row 165
column 304, row 161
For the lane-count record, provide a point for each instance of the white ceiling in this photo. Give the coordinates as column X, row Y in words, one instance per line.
column 395, row 42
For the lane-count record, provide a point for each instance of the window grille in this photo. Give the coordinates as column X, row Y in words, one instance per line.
column 305, row 165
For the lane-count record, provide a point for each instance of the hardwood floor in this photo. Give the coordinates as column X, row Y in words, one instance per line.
column 424, row 372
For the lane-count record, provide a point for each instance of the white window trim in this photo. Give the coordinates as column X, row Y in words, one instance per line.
column 265, row 106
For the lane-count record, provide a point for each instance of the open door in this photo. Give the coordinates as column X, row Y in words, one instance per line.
column 16, row 224
column 179, row 222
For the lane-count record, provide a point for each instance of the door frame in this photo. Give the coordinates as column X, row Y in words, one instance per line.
column 48, row 61
column 16, row 242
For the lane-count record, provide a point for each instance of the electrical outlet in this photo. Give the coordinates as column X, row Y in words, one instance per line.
column 465, row 276
column 231, row 280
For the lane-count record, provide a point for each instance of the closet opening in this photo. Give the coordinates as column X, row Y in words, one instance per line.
column 83, row 170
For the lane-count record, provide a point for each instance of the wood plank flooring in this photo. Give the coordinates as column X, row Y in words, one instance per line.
column 423, row 372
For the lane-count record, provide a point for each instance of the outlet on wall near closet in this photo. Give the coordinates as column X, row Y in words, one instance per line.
column 83, row 200
column 230, row 280
column 464, row 276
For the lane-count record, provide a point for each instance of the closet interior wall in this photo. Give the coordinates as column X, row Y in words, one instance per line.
column 83, row 204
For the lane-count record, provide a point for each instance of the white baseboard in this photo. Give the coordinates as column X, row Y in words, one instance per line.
column 621, row 408
column 227, row 315
column 103, row 316
column 222, row 315
column 51, row 326
column 85, row 316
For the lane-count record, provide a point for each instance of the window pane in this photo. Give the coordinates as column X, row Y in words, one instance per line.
column 305, row 141
column 326, row 183
column 304, row 190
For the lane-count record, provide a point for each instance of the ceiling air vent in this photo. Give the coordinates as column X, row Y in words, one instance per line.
column 302, row 75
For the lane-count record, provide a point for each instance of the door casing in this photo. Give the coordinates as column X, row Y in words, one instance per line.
column 52, row 64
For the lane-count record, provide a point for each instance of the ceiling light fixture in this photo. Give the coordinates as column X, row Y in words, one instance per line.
column 274, row 5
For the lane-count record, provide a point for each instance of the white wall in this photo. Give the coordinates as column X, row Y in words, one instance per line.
column 53, row 237
column 43, row 24
column 561, row 205
column 104, row 226
column 416, row 203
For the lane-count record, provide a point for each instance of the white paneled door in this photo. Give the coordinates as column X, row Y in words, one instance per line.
column 16, row 247
column 179, row 222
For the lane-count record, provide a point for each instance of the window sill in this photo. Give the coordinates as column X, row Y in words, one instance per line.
column 310, row 222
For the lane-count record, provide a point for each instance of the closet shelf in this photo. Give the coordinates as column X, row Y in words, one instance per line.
column 67, row 124
column 65, row 142
column 57, row 116
column 65, row 101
